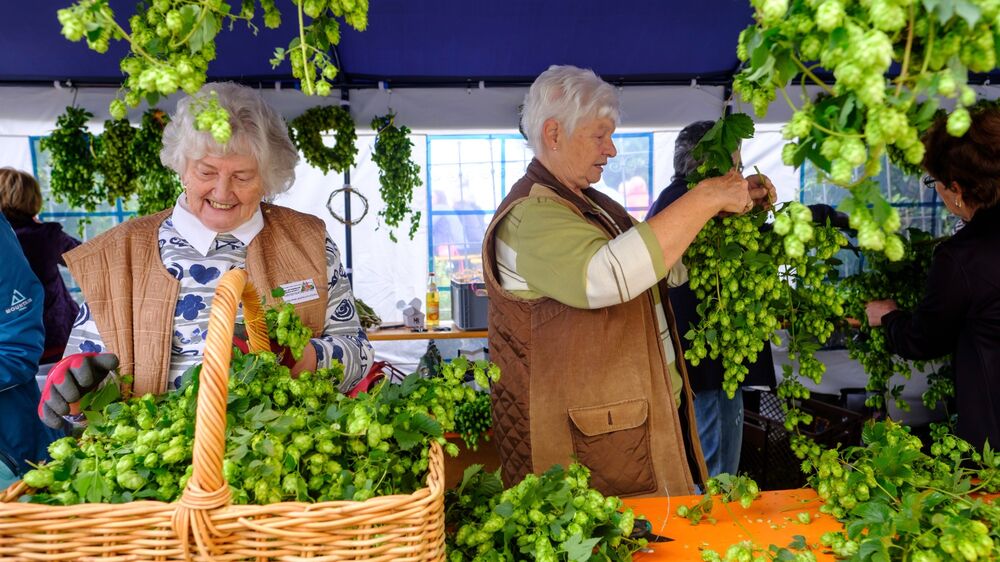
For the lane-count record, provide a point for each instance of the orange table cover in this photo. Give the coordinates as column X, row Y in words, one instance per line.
column 772, row 519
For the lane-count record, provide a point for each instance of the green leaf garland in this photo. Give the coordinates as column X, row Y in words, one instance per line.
column 306, row 132
column 89, row 170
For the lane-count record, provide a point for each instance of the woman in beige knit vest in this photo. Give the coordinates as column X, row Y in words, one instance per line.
column 149, row 283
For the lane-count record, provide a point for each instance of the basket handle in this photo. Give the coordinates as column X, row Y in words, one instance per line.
column 207, row 488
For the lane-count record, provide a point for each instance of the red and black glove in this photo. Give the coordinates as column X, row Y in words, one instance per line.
column 69, row 380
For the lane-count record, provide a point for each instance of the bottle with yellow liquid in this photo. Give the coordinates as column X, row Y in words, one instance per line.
column 433, row 317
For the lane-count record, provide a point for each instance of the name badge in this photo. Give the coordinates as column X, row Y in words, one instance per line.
column 300, row 291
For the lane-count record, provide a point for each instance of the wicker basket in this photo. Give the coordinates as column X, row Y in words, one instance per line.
column 398, row 527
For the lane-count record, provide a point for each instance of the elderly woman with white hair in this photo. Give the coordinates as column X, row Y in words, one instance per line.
column 149, row 283
column 579, row 321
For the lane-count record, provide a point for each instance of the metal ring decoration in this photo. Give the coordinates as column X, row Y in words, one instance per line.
column 347, row 189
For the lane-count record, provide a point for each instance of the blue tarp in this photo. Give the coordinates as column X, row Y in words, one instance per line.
column 434, row 42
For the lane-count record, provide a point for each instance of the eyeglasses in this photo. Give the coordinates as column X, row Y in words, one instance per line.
column 929, row 182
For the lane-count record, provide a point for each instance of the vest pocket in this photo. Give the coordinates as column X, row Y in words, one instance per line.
column 613, row 441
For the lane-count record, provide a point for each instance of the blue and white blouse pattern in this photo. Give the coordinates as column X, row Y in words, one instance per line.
column 342, row 339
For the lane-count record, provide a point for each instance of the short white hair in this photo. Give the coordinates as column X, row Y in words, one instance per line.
column 258, row 131
column 569, row 95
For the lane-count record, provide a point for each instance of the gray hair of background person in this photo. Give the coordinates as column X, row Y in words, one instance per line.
column 569, row 95
column 687, row 139
column 258, row 131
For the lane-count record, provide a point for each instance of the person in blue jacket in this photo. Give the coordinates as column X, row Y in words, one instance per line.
column 23, row 437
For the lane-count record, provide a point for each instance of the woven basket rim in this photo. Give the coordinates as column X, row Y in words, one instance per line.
column 289, row 520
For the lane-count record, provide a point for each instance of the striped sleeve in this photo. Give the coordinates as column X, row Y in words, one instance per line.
column 84, row 338
column 545, row 249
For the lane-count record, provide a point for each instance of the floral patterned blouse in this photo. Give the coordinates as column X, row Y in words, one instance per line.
column 343, row 338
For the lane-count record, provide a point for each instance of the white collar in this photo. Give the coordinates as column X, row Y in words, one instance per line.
column 201, row 237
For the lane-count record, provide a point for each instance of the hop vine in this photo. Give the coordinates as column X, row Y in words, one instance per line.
column 866, row 114
column 172, row 42
column 751, row 279
column 398, row 174
column 903, row 281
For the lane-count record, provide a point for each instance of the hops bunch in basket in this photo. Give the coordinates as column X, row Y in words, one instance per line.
column 287, row 439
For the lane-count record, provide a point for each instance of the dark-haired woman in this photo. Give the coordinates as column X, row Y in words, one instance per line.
column 960, row 311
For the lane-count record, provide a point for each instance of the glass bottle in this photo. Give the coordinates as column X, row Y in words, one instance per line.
column 432, row 318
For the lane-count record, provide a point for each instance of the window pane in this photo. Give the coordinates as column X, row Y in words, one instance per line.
column 468, row 176
column 627, row 176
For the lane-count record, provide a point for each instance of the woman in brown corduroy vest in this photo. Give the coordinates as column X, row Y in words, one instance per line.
column 578, row 305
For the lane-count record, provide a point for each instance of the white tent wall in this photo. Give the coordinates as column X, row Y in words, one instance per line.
column 15, row 151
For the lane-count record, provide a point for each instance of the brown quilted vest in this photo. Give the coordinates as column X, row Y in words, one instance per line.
column 590, row 385
column 132, row 297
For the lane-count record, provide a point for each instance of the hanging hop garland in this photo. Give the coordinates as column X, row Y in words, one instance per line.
column 69, row 146
column 113, row 159
column 306, row 133
column 158, row 186
column 88, row 170
column 398, row 174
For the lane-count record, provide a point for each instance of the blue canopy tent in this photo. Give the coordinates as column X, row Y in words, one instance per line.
column 436, row 43
column 432, row 43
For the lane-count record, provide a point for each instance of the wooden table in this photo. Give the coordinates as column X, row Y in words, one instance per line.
column 772, row 519
column 452, row 333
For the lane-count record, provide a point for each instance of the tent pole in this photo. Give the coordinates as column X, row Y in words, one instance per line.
column 345, row 96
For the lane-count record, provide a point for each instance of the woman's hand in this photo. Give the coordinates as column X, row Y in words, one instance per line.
column 877, row 309
column 761, row 191
column 730, row 191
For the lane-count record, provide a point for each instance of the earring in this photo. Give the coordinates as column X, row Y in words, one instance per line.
column 958, row 202
column 554, row 148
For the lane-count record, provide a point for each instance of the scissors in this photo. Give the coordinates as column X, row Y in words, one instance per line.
column 643, row 529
